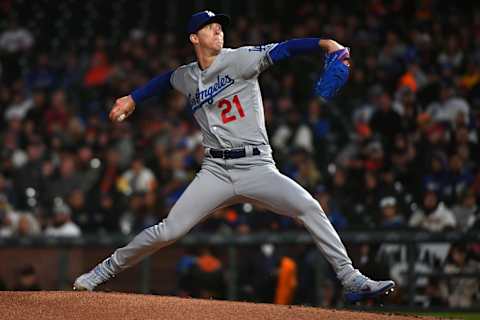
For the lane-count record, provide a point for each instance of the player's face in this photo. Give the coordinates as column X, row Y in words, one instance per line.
column 211, row 36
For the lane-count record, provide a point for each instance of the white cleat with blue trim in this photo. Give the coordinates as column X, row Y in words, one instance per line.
column 362, row 287
column 98, row 275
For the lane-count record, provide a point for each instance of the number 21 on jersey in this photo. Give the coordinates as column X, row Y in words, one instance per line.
column 226, row 106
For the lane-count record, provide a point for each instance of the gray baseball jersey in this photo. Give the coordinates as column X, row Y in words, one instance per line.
column 226, row 97
column 227, row 104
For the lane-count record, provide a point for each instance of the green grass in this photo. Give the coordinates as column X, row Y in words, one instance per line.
column 451, row 315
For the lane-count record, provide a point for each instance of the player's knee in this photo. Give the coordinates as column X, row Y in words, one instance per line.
column 312, row 207
column 169, row 232
column 175, row 233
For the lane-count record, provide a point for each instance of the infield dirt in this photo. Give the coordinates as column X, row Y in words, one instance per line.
column 116, row 306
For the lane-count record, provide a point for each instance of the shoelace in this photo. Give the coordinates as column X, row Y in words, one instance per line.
column 101, row 274
column 357, row 282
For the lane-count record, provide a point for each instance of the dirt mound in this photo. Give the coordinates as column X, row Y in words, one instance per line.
column 115, row 306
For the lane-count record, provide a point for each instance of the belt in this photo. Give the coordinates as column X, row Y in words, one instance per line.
column 232, row 153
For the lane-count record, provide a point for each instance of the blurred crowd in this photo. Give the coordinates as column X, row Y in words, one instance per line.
column 398, row 149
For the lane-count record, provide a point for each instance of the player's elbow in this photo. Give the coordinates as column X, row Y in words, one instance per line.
column 330, row 45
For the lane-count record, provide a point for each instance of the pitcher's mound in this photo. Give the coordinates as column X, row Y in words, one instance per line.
column 115, row 306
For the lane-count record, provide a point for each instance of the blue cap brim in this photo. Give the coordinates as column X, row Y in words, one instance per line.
column 222, row 19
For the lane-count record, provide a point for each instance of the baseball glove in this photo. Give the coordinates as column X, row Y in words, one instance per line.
column 335, row 74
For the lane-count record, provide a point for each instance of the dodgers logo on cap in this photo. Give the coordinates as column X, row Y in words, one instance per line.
column 202, row 18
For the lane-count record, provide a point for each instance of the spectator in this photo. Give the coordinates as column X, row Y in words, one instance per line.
column 27, row 280
column 7, row 217
column 184, row 271
column 208, row 275
column 68, row 179
column 434, row 215
column 6, row 190
column 366, row 205
column 458, row 291
column 373, row 156
column 287, row 281
column 179, row 178
column 402, row 165
column 394, row 187
column 312, row 267
column 259, row 274
column 110, row 171
column 466, row 211
column 137, row 217
column 465, row 142
column 308, row 174
column 14, row 41
column 436, row 178
column 20, row 106
column 452, row 55
column 138, row 178
column 62, row 224
column 31, row 174
column 385, row 121
column 390, row 217
column 321, row 125
column 42, row 75
column 36, row 113
column 225, row 220
column 407, row 106
column 88, row 166
column 458, row 180
column 14, row 223
column 433, row 290
column 82, row 214
column 27, row 225
column 72, row 72
column 336, row 217
column 341, row 193
column 261, row 219
column 294, row 133
column 411, row 82
column 107, row 215
column 474, row 222
column 57, row 116
column 327, row 129
column 449, row 107
column 100, row 68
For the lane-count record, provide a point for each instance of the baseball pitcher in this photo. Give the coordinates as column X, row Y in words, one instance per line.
column 223, row 91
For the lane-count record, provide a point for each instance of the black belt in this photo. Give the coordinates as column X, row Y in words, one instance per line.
column 232, row 153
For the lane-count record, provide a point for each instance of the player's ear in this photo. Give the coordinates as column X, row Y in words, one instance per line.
column 193, row 38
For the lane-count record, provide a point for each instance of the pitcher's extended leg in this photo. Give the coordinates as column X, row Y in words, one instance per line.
column 266, row 185
column 205, row 193
column 281, row 194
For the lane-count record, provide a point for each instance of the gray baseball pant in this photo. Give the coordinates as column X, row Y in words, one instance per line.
column 222, row 183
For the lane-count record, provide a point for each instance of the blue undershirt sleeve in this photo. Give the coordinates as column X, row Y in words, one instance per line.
column 155, row 87
column 294, row 47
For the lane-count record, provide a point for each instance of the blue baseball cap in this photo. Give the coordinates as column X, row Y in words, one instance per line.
column 202, row 18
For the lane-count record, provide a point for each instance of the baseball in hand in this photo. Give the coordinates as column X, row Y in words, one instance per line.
column 121, row 117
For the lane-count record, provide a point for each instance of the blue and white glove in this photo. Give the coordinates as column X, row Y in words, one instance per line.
column 335, row 74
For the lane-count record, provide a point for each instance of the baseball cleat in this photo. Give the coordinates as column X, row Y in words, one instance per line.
column 90, row 280
column 83, row 283
column 362, row 287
